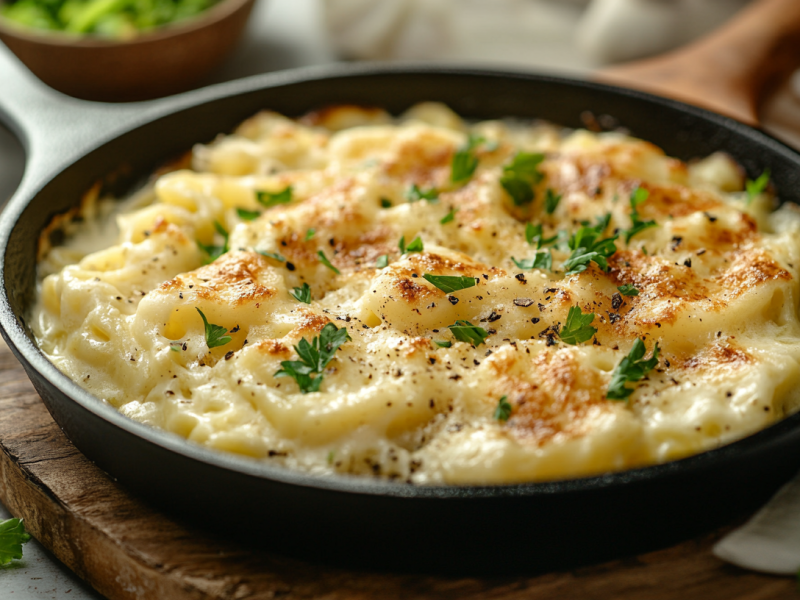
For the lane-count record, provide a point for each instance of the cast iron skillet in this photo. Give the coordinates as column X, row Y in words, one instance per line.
column 530, row 527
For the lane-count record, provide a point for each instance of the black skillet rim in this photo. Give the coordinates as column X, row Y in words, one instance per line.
column 30, row 355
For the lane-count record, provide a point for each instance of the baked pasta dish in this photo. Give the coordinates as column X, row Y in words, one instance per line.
column 433, row 301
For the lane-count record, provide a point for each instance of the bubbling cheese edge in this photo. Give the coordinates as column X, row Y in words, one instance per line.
column 717, row 281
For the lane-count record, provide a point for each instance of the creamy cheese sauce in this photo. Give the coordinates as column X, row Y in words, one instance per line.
column 716, row 278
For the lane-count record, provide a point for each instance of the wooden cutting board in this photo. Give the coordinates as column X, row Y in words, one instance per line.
column 127, row 550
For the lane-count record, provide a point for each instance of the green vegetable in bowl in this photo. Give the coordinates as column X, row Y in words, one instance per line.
column 115, row 19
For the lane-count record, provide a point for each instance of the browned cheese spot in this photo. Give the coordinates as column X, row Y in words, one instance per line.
column 231, row 279
column 554, row 398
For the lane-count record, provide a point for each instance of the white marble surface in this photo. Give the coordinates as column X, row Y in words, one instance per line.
column 281, row 34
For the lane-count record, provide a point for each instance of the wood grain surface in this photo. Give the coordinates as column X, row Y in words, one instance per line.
column 128, row 550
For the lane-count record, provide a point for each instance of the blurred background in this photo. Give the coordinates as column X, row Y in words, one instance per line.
column 569, row 37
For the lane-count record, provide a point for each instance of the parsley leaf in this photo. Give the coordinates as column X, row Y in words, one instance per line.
column 415, row 194
column 213, row 252
column 520, row 175
column 464, row 161
column 602, row 223
column 314, row 357
column 248, row 215
column 302, row 294
column 638, row 227
column 464, row 331
column 269, row 199
column 587, row 248
column 638, row 196
column 450, row 283
column 175, row 346
column 757, row 187
column 443, row 344
column 503, row 410
column 12, row 536
column 578, row 327
column 386, row 203
column 324, row 260
column 215, row 334
column 449, row 216
column 273, row 255
column 309, row 234
column 541, row 260
column 631, row 369
column 533, row 233
column 628, row 290
column 383, row 261
column 414, row 246
column 551, row 200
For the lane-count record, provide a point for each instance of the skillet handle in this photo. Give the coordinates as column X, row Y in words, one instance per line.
column 53, row 128
column 730, row 70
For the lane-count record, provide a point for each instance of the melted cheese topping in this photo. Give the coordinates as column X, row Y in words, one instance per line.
column 717, row 281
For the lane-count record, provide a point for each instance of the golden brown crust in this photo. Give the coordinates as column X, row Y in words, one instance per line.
column 232, row 279
column 555, row 400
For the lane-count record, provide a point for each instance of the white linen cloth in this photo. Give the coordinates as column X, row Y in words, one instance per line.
column 770, row 540
column 541, row 33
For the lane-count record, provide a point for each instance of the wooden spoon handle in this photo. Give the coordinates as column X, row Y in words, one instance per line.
column 730, row 70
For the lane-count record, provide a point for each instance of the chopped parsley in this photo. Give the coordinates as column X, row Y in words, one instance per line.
column 383, row 261
column 415, row 194
column 533, row 234
column 602, row 223
column 631, row 369
column 216, row 335
column 578, row 327
column 314, row 357
column 551, row 200
column 415, row 245
column 175, row 346
column 302, row 294
column 213, row 251
column 587, row 248
column 450, row 283
column 639, row 196
column 628, row 290
column 503, row 410
column 248, row 215
column 12, row 536
column 638, row 227
column 309, row 234
column 757, row 187
column 269, row 199
column 464, row 331
column 464, row 160
column 449, row 216
column 541, row 260
column 386, row 203
column 272, row 255
column 443, row 343
column 324, row 260
column 521, row 175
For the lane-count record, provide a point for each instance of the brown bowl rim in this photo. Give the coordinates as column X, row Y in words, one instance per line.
column 218, row 12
